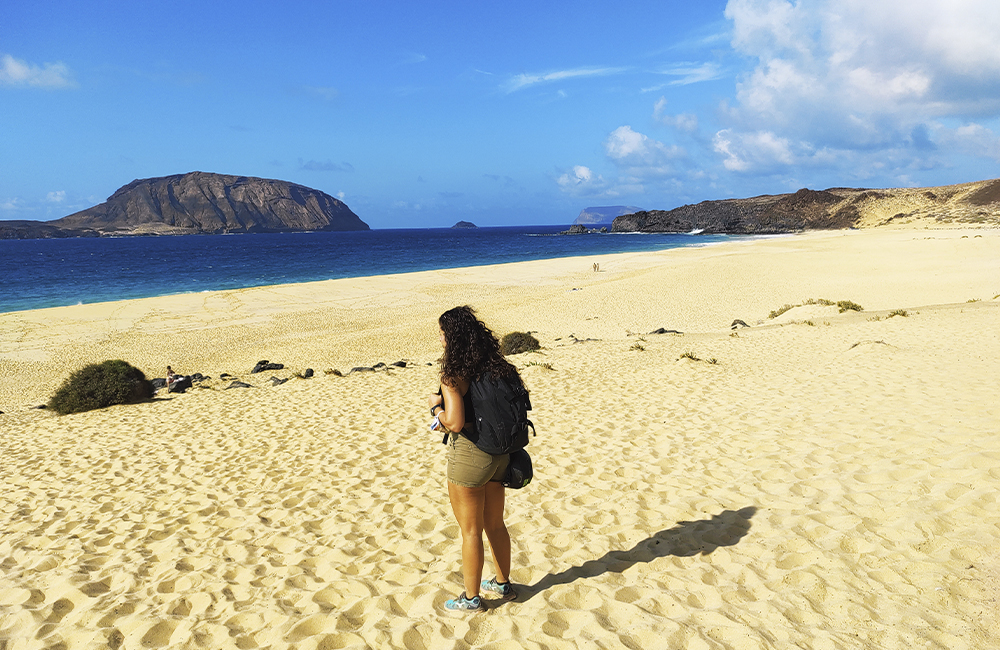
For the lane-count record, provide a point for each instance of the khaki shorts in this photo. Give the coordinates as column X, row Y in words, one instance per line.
column 469, row 466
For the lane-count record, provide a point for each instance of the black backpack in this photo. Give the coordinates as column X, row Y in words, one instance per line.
column 500, row 407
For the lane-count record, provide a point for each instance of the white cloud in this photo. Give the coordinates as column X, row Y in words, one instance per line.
column 15, row 72
column 857, row 76
column 582, row 181
column 10, row 204
column 639, row 154
column 687, row 122
column 752, row 151
column 56, row 197
column 690, row 73
column 972, row 139
column 580, row 175
column 892, row 57
column 341, row 196
column 524, row 80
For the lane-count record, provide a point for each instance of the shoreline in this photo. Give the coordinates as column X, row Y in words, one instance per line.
column 372, row 319
column 292, row 261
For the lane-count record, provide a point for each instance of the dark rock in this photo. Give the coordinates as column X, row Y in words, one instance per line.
column 399, row 364
column 464, row 225
column 225, row 375
column 337, row 373
column 200, row 202
column 158, row 383
column 576, row 229
column 238, row 384
column 768, row 214
column 362, row 369
column 738, row 323
column 40, row 407
column 985, row 195
column 308, row 373
column 665, row 331
column 378, row 365
column 198, row 377
column 267, row 365
column 277, row 382
column 179, row 385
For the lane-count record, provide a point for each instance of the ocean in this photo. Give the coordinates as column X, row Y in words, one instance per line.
column 39, row 273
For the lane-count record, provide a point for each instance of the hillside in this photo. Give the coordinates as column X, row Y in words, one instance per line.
column 968, row 204
column 199, row 202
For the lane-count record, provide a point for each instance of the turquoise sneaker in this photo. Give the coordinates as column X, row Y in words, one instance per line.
column 463, row 604
column 505, row 589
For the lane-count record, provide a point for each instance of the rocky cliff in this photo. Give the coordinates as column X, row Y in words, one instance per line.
column 836, row 208
column 200, row 202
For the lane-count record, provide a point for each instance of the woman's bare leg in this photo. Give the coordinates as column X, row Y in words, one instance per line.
column 496, row 529
column 469, row 505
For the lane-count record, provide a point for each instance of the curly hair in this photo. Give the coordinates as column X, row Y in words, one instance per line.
column 470, row 348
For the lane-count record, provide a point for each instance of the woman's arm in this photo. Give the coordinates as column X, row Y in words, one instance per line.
column 453, row 415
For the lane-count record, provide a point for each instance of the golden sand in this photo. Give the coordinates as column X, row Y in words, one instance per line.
column 817, row 480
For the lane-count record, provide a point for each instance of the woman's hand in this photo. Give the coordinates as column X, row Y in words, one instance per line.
column 435, row 400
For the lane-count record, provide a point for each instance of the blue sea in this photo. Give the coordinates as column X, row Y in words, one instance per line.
column 38, row 273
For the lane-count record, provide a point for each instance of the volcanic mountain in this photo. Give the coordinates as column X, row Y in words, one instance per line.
column 200, row 202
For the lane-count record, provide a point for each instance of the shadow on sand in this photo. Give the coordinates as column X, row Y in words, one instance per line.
column 685, row 539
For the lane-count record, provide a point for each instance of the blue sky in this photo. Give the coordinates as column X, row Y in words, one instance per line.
column 422, row 114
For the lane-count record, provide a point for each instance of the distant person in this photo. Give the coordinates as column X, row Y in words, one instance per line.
column 171, row 376
column 474, row 487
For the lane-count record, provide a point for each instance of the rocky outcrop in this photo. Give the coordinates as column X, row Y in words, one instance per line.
column 266, row 365
column 200, row 202
column 580, row 229
column 758, row 215
column 464, row 225
column 831, row 209
column 40, row 230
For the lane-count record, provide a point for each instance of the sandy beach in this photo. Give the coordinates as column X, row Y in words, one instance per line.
column 817, row 480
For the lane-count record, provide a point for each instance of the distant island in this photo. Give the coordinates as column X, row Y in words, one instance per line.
column 465, row 224
column 832, row 209
column 198, row 202
column 603, row 215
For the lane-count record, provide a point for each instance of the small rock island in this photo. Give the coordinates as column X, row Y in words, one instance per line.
column 464, row 225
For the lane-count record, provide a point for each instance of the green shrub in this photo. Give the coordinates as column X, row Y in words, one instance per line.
column 898, row 312
column 689, row 355
column 518, row 342
column 99, row 385
column 778, row 312
column 846, row 305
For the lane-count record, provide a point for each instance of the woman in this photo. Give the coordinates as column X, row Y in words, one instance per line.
column 477, row 496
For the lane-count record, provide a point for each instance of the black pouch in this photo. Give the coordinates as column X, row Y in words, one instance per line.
column 519, row 471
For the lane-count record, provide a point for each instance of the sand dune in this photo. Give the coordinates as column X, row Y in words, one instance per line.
column 817, row 480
